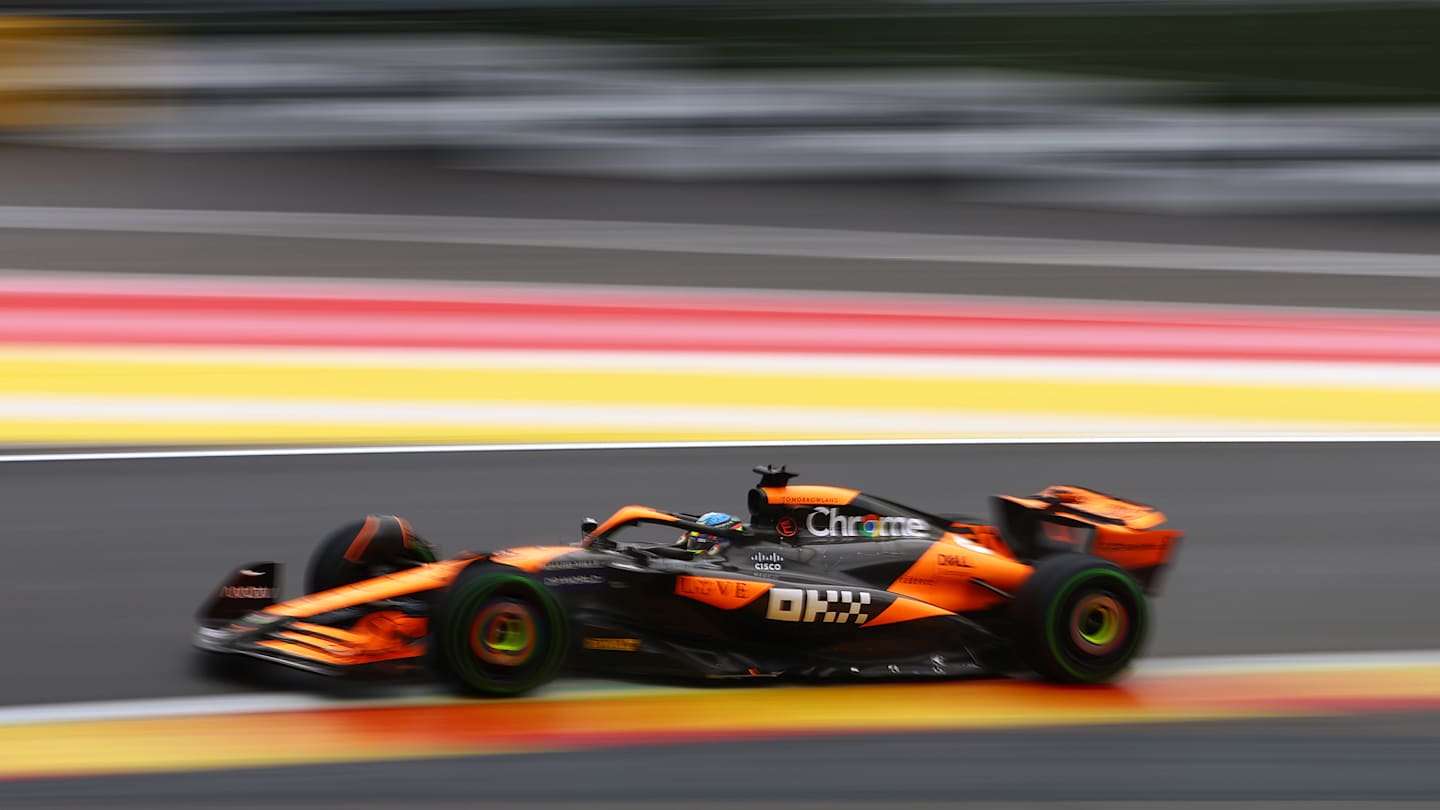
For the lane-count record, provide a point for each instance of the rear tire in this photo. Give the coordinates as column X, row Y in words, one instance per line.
column 498, row 633
column 361, row 549
column 1079, row 619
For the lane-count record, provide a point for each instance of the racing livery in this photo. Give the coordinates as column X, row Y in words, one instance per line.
column 820, row 582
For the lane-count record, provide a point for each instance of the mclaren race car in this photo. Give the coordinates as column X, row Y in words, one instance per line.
column 819, row 582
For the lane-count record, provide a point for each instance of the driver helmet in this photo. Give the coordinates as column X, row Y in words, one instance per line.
column 701, row 543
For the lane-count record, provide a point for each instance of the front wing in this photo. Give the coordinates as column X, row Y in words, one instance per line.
column 378, row 642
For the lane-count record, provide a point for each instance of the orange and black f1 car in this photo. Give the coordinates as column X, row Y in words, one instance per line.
column 820, row 582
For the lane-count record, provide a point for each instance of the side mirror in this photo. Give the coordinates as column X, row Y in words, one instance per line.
column 588, row 526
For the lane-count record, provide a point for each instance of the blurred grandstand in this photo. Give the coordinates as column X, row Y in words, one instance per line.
column 1182, row 106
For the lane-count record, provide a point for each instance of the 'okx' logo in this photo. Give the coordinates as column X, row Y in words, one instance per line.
column 818, row 605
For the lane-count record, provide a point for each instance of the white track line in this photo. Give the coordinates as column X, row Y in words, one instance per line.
column 219, row 705
column 216, row 705
column 266, row 452
column 500, row 420
column 741, row 240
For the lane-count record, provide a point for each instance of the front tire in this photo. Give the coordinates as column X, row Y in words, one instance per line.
column 1079, row 619
column 498, row 633
column 361, row 549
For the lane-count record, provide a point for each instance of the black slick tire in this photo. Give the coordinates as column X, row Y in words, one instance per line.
column 362, row 549
column 1079, row 619
column 497, row 632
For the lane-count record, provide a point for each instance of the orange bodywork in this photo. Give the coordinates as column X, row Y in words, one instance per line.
column 626, row 514
column 1135, row 550
column 906, row 610
column 726, row 594
column 809, row 495
column 415, row 580
column 944, row 575
column 983, row 535
column 385, row 635
column 1092, row 506
column 531, row 558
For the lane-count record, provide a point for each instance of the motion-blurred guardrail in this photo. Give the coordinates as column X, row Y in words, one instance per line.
column 52, row 70
column 553, row 106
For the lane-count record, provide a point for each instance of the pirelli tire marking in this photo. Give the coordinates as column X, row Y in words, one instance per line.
column 831, row 606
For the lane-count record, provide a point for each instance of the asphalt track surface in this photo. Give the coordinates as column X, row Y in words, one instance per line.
column 436, row 184
column 1311, row 762
column 1290, row 548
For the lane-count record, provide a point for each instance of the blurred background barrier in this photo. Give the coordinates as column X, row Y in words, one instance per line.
column 57, row 74
column 1187, row 107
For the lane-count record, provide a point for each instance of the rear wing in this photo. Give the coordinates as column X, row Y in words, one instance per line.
column 1089, row 506
column 1063, row 519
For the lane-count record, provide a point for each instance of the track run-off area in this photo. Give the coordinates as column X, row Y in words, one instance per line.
column 161, row 736
column 1303, row 590
column 169, row 736
column 121, row 359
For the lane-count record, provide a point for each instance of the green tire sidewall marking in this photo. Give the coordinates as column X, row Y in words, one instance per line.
column 1107, row 631
column 513, row 640
column 1063, row 595
column 457, row 633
